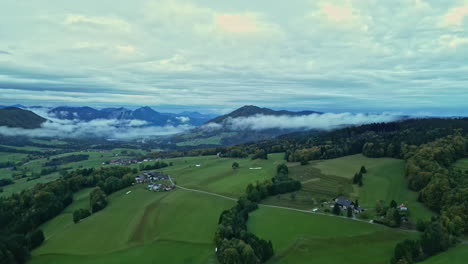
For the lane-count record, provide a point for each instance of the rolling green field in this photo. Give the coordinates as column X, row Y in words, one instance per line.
column 96, row 159
column 216, row 174
column 307, row 238
column 147, row 225
column 178, row 226
column 384, row 180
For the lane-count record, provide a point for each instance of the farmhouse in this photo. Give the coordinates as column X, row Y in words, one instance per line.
column 344, row 204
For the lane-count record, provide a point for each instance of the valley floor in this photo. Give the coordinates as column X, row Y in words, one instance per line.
column 179, row 226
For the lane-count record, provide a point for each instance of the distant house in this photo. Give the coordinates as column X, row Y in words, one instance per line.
column 141, row 178
column 402, row 208
column 343, row 203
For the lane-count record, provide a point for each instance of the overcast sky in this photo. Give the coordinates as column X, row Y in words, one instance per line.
column 210, row 55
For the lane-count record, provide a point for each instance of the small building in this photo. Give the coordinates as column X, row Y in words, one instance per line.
column 343, row 203
column 402, row 208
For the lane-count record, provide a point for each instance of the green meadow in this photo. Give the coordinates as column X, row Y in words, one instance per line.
column 172, row 227
column 324, row 180
column 178, row 226
column 96, row 159
column 216, row 174
column 300, row 237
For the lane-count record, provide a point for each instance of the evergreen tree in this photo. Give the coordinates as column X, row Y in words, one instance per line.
column 336, row 209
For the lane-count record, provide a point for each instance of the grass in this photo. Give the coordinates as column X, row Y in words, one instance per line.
column 194, row 140
column 27, row 148
column 456, row 255
column 141, row 224
column 384, row 180
column 8, row 156
column 461, row 164
column 216, row 174
column 215, row 140
column 178, row 226
column 300, row 237
column 96, row 159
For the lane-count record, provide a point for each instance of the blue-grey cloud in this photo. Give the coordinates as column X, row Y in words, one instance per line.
column 326, row 55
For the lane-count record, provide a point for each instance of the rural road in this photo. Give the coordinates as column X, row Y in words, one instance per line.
column 287, row 208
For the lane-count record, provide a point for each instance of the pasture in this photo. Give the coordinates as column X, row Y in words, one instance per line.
column 324, row 180
column 300, row 237
column 152, row 226
column 178, row 226
column 96, row 159
column 216, row 174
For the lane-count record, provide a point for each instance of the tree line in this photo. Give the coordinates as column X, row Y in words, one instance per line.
column 234, row 243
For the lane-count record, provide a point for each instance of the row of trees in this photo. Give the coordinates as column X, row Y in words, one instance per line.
column 154, row 166
column 235, row 244
column 66, row 159
column 358, row 176
column 435, row 239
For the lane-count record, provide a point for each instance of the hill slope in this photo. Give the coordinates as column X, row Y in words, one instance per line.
column 19, row 118
column 224, row 134
column 251, row 110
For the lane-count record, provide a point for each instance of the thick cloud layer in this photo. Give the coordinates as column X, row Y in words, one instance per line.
column 103, row 128
column 315, row 121
column 111, row 129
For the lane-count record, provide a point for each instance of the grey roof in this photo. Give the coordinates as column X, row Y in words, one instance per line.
column 343, row 202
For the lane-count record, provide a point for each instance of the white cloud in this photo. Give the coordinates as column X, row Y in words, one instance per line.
column 314, row 121
column 340, row 14
column 89, row 21
column 312, row 54
column 183, row 119
column 103, row 128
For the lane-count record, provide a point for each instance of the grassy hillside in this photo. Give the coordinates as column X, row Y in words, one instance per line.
column 307, row 238
column 178, row 226
column 143, row 223
column 95, row 160
column 216, row 174
column 384, row 180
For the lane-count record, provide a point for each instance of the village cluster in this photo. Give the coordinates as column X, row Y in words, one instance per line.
column 128, row 161
column 154, row 179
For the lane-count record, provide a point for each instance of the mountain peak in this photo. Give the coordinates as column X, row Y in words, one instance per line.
column 251, row 110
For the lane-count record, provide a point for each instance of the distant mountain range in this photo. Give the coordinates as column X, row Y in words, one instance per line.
column 19, row 118
column 146, row 113
column 226, row 135
column 202, row 135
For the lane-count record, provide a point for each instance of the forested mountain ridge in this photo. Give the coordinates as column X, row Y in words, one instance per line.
column 251, row 110
column 19, row 118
